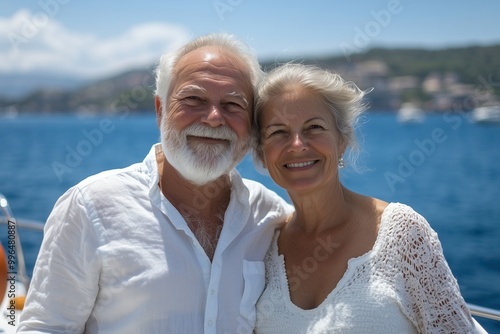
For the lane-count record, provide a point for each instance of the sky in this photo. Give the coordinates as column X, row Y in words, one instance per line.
column 95, row 38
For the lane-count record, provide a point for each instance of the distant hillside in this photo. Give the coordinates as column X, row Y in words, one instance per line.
column 477, row 66
column 469, row 63
column 131, row 91
column 436, row 80
column 19, row 85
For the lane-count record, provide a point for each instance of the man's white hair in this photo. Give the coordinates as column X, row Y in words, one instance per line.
column 164, row 71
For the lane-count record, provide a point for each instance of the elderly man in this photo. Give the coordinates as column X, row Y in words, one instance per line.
column 174, row 244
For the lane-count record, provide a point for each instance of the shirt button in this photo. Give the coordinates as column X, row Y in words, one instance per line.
column 210, row 322
column 212, row 292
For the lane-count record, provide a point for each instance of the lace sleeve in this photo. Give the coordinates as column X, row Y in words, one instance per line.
column 430, row 293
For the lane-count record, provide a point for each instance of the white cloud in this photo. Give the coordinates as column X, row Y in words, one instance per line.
column 37, row 42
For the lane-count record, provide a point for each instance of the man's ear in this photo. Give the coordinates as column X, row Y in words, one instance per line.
column 159, row 111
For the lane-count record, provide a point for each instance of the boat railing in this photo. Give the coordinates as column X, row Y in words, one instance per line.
column 14, row 224
column 14, row 240
column 484, row 312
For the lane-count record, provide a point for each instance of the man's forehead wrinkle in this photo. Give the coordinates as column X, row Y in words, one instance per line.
column 215, row 64
column 209, row 56
column 224, row 66
column 206, row 67
column 214, row 60
column 222, row 57
column 191, row 89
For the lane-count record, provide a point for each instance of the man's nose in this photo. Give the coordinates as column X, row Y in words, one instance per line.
column 214, row 116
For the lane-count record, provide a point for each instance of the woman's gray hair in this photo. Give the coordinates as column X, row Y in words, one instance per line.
column 343, row 98
column 164, row 70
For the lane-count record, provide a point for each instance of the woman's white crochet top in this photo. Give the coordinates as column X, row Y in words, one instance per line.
column 403, row 285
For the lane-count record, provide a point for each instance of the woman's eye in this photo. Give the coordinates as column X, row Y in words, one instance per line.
column 276, row 132
column 315, row 126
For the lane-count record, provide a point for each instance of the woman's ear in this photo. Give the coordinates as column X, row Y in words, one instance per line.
column 343, row 147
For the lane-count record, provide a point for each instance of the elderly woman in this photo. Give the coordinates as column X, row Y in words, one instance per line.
column 344, row 262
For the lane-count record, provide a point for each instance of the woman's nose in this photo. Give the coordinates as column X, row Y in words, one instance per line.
column 298, row 143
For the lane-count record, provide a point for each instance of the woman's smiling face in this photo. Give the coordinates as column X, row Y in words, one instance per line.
column 300, row 141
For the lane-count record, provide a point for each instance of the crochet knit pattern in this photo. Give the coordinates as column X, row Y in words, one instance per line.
column 403, row 285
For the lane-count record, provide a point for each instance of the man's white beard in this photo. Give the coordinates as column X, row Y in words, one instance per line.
column 198, row 162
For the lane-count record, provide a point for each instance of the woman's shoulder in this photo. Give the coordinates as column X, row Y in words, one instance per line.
column 401, row 224
column 402, row 215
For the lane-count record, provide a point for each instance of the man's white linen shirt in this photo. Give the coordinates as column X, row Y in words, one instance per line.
column 117, row 257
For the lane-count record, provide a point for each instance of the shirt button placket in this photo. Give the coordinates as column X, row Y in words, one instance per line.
column 212, row 298
column 212, row 302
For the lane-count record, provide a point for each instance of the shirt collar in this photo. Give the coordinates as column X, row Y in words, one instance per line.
column 236, row 214
column 238, row 188
column 152, row 166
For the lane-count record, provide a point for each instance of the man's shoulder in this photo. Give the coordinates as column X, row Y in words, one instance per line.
column 138, row 171
column 258, row 189
column 253, row 184
column 112, row 178
column 260, row 195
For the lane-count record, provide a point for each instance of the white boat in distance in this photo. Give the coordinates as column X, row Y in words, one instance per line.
column 409, row 113
column 486, row 114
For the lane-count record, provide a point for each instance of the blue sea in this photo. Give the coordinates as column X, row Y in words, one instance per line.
column 447, row 168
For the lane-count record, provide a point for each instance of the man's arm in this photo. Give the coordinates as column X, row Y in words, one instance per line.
column 65, row 280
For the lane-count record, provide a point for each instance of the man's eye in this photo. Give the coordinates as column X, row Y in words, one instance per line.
column 234, row 106
column 192, row 100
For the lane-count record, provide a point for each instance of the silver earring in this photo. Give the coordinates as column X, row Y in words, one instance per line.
column 341, row 162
